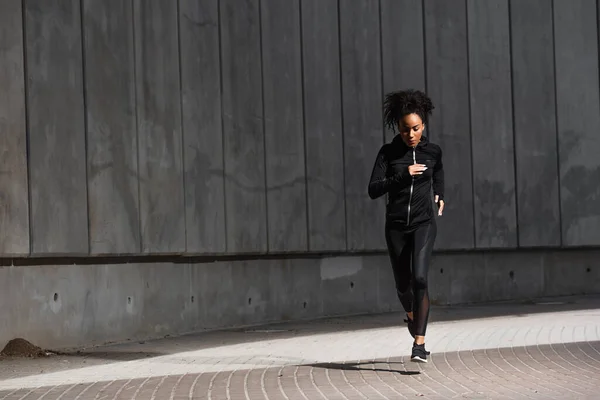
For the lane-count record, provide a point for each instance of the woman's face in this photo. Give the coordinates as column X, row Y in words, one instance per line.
column 411, row 129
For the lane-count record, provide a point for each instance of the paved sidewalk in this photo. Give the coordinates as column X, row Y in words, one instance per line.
column 544, row 350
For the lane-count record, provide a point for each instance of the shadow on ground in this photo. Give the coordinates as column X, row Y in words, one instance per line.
column 360, row 367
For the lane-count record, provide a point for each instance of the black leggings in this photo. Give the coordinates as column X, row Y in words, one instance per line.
column 416, row 246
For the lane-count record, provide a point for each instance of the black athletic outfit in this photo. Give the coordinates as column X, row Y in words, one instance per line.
column 410, row 228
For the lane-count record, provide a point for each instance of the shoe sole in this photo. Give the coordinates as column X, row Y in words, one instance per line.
column 418, row 359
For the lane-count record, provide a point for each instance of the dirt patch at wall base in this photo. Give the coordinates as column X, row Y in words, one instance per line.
column 23, row 349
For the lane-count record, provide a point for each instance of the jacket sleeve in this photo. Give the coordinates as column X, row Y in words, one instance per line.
column 380, row 183
column 438, row 177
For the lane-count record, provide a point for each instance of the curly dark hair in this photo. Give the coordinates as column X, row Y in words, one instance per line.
column 404, row 102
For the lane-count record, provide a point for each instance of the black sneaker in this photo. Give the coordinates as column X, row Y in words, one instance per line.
column 411, row 329
column 419, row 354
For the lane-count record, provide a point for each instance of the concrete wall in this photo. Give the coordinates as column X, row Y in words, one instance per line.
column 227, row 128
column 70, row 306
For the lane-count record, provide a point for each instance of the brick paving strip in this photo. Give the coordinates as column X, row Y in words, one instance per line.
column 509, row 351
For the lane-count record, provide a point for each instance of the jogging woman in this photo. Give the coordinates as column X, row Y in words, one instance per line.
column 407, row 169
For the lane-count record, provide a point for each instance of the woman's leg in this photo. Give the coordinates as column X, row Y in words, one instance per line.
column 400, row 254
column 424, row 238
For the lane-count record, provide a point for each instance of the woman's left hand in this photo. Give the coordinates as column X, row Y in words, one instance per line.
column 440, row 204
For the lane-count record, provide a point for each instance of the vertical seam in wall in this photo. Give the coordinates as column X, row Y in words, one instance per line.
column 512, row 110
column 470, row 121
column 339, row 16
column 300, row 21
column 137, row 123
column 220, row 69
column 183, row 165
column 556, row 130
column 597, row 19
column 27, row 138
column 262, row 88
column 425, row 80
column 424, row 47
column 382, row 69
column 181, row 127
column 429, row 132
column 85, row 123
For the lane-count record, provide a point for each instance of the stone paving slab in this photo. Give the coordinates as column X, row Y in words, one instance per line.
column 545, row 350
column 564, row 371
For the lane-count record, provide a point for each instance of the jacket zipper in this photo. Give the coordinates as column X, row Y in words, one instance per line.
column 411, row 190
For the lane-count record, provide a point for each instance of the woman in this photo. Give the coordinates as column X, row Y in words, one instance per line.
column 406, row 170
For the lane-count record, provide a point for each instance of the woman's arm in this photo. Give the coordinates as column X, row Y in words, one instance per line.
column 380, row 183
column 438, row 178
column 438, row 184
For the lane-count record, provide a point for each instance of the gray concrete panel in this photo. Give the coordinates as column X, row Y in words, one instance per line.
column 254, row 291
column 486, row 276
column 284, row 129
column 578, row 105
column 243, row 126
column 56, row 125
column 535, row 123
column 159, row 127
column 350, row 284
column 362, row 100
column 457, row 278
column 323, row 125
column 515, row 275
column 212, row 286
column 221, row 286
column 46, row 295
column 572, row 271
column 491, row 123
column 450, row 126
column 296, row 286
column 402, row 47
column 202, row 126
column 14, row 193
column 162, row 292
column 111, row 127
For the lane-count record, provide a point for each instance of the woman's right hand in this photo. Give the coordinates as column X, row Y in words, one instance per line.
column 416, row 169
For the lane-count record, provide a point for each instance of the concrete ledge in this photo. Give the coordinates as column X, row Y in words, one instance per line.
column 72, row 306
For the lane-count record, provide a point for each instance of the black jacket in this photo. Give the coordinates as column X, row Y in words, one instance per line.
column 410, row 201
